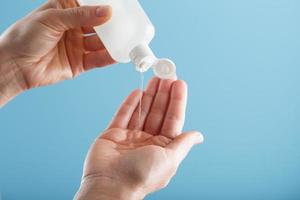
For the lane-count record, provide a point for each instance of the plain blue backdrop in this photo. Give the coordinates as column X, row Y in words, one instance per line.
column 241, row 59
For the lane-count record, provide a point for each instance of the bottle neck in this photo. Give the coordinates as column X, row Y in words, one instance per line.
column 142, row 57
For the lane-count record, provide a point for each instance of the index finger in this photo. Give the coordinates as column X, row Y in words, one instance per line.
column 123, row 115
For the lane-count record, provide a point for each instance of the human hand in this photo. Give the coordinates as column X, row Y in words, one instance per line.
column 49, row 46
column 136, row 157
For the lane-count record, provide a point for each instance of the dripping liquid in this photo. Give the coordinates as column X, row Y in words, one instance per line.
column 141, row 97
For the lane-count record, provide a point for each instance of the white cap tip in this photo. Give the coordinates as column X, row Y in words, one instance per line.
column 165, row 69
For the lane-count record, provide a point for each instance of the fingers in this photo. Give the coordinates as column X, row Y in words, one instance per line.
column 44, row 6
column 123, row 115
column 159, row 107
column 182, row 144
column 99, row 58
column 93, row 43
column 88, row 30
column 138, row 119
column 86, row 16
column 175, row 116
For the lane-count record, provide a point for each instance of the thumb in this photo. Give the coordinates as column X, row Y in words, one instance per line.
column 65, row 19
column 183, row 143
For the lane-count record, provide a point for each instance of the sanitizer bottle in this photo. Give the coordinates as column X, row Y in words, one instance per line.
column 127, row 36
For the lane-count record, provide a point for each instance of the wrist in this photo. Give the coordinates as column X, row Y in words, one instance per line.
column 107, row 189
column 11, row 83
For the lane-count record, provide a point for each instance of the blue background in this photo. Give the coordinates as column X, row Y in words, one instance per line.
column 242, row 62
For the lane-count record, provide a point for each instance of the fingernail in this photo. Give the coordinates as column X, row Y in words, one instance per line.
column 200, row 138
column 103, row 11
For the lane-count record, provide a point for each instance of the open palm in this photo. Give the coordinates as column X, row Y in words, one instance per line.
column 144, row 149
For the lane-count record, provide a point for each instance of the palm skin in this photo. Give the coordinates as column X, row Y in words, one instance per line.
column 49, row 44
column 144, row 150
column 141, row 153
column 135, row 157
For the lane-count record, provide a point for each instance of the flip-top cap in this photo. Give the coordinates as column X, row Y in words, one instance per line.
column 165, row 69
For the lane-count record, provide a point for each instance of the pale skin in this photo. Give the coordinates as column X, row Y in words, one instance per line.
column 139, row 153
column 49, row 46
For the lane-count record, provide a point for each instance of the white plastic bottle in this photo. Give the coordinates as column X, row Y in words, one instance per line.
column 127, row 36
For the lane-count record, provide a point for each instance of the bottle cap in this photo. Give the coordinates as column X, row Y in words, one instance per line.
column 165, row 69
column 142, row 57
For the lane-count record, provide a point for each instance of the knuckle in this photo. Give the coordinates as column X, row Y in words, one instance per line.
column 52, row 3
column 144, row 111
column 173, row 117
column 156, row 112
column 47, row 13
column 44, row 15
column 81, row 12
column 165, row 184
column 173, row 170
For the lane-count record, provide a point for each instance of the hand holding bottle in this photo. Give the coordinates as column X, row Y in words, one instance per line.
column 133, row 157
column 49, row 46
column 127, row 37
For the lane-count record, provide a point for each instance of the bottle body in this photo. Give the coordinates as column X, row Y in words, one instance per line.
column 128, row 27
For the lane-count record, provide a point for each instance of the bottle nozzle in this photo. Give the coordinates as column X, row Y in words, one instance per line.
column 143, row 58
